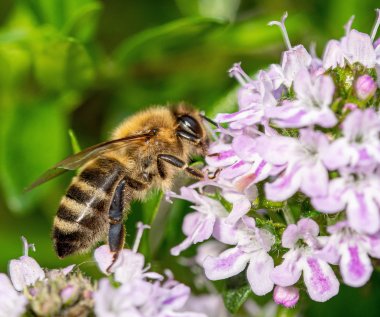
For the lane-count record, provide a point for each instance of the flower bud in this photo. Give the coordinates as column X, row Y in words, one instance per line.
column 286, row 296
column 365, row 87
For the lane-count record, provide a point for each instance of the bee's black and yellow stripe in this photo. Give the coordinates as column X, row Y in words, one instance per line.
column 82, row 217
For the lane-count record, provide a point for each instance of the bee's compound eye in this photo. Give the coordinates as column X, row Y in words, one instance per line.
column 189, row 124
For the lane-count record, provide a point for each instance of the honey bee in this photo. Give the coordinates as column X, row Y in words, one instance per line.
column 145, row 152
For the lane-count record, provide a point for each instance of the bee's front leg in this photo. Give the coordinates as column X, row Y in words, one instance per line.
column 177, row 162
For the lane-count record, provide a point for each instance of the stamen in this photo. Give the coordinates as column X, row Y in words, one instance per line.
column 313, row 50
column 376, row 25
column 140, row 229
column 27, row 246
column 348, row 25
column 239, row 74
column 283, row 29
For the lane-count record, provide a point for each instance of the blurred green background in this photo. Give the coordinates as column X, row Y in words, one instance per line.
column 87, row 64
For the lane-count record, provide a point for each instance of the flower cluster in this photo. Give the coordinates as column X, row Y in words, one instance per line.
column 132, row 290
column 303, row 143
column 141, row 293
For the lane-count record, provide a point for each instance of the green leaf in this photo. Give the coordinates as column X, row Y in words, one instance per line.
column 34, row 139
column 236, row 292
column 74, row 142
column 150, row 207
column 225, row 9
column 286, row 312
column 176, row 33
column 62, row 63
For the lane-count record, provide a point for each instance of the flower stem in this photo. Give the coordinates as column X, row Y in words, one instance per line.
column 288, row 215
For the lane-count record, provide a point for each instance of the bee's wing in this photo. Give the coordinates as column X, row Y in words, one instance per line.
column 77, row 160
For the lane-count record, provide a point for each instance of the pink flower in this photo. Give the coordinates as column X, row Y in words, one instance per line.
column 357, row 193
column 12, row 304
column 319, row 278
column 355, row 47
column 314, row 95
column 198, row 226
column 351, row 250
column 365, row 87
column 252, row 246
column 360, row 144
column 301, row 162
column 286, row 296
column 25, row 271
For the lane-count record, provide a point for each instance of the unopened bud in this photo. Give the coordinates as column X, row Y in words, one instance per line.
column 286, row 296
column 365, row 87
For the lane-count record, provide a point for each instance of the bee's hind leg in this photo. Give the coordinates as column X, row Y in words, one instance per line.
column 116, row 233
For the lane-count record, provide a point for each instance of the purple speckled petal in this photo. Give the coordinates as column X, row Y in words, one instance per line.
column 24, row 272
column 355, row 266
column 363, row 213
column 315, row 180
column 284, row 186
column 259, row 273
column 229, row 263
column 320, row 280
column 289, row 271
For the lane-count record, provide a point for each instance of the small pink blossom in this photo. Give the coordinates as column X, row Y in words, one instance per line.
column 286, row 296
column 319, row 278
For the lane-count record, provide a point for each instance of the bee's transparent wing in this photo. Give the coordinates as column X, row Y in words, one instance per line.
column 77, row 160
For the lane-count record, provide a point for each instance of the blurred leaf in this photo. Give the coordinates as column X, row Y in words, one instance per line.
column 286, row 312
column 235, row 297
column 177, row 32
column 74, row 142
column 151, row 206
column 76, row 17
column 62, row 63
column 83, row 22
column 34, row 140
column 225, row 9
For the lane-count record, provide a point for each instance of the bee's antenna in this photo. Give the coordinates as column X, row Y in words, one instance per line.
column 208, row 119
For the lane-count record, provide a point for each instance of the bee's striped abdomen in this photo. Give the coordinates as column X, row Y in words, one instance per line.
column 82, row 217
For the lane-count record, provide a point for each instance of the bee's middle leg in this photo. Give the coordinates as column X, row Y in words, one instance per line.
column 177, row 162
column 116, row 233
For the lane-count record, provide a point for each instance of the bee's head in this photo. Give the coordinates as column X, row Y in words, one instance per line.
column 191, row 127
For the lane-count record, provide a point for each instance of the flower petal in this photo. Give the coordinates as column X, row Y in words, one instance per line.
column 259, row 273
column 315, row 180
column 319, row 279
column 288, row 272
column 363, row 213
column 229, row 263
column 284, row 186
column 25, row 272
column 355, row 266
